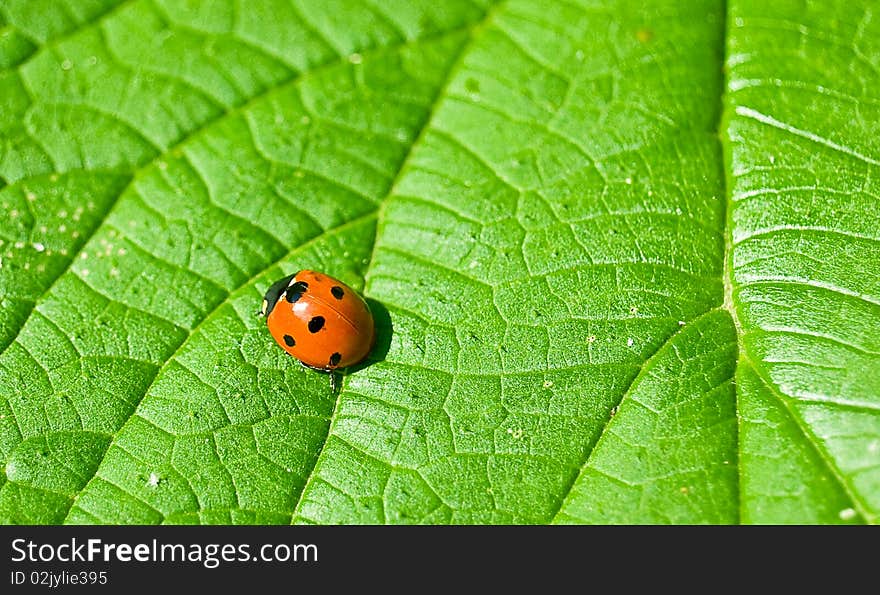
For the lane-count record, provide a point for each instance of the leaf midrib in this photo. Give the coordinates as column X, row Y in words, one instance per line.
column 726, row 113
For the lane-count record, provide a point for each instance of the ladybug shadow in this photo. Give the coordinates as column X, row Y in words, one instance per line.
column 384, row 330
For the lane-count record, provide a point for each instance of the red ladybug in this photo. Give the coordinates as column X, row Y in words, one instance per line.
column 319, row 320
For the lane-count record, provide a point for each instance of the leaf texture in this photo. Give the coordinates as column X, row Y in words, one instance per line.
column 623, row 260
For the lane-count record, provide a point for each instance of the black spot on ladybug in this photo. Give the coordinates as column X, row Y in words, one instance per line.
column 337, row 292
column 316, row 324
column 289, row 341
column 334, row 359
column 295, row 291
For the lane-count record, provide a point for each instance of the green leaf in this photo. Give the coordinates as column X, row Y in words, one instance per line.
column 801, row 140
column 623, row 261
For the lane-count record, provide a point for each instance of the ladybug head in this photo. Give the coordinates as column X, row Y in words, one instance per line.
column 273, row 294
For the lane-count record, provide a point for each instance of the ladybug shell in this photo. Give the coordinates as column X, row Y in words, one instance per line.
column 319, row 320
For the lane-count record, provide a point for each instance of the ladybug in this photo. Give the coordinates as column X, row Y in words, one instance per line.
column 320, row 321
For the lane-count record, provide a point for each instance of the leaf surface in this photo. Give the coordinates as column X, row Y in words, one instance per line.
column 623, row 261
